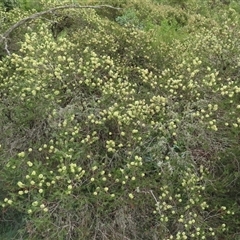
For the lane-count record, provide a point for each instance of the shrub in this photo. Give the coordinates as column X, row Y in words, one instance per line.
column 111, row 132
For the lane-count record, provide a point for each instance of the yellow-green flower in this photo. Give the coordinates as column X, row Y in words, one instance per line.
column 30, row 164
column 21, row 154
column 131, row 195
column 20, row 184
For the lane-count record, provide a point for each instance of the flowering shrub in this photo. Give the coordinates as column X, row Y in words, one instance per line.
column 110, row 132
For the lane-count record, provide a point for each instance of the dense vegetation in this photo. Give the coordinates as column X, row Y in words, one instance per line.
column 120, row 123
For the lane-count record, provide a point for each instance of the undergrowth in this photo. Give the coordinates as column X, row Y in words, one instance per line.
column 120, row 127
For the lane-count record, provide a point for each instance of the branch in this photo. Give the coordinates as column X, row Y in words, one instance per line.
column 6, row 46
column 39, row 14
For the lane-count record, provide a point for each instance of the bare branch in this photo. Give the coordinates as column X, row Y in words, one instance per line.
column 6, row 47
column 39, row 14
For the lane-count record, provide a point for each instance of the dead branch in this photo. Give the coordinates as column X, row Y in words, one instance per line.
column 34, row 16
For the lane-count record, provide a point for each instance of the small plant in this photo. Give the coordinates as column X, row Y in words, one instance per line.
column 130, row 19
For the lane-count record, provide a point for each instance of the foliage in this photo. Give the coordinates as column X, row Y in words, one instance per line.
column 26, row 5
column 120, row 127
column 129, row 18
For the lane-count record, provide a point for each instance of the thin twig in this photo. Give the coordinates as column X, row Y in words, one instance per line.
column 38, row 14
column 6, row 46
